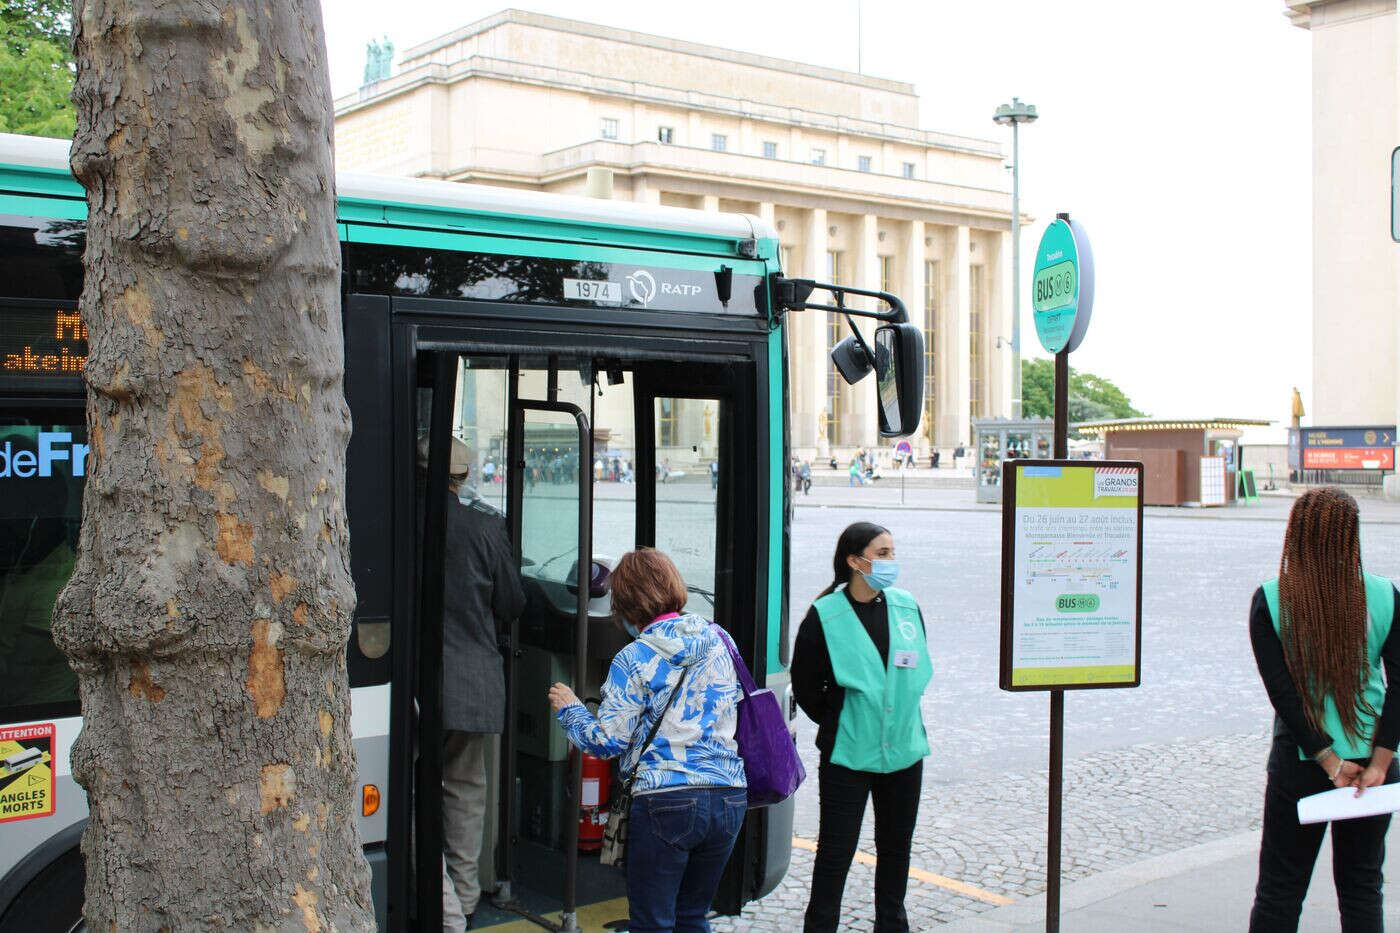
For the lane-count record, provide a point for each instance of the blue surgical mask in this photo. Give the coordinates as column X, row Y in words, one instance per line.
column 882, row 574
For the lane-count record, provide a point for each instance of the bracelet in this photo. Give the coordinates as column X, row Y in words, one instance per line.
column 1333, row 775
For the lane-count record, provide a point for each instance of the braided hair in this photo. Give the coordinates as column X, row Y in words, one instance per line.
column 853, row 541
column 1322, row 606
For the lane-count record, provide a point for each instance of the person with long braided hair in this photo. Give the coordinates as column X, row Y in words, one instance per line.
column 860, row 666
column 1321, row 634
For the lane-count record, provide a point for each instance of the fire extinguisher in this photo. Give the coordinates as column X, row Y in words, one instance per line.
column 593, row 802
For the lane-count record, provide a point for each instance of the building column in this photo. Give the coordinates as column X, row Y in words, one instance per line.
column 765, row 213
column 912, row 291
column 810, row 330
column 999, row 325
column 861, row 426
column 645, row 191
column 709, row 202
column 955, row 418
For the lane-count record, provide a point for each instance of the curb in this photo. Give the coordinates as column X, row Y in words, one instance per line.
column 1092, row 890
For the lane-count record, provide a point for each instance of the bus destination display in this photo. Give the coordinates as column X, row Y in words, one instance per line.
column 41, row 343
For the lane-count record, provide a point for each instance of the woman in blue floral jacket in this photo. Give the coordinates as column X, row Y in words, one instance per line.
column 690, row 795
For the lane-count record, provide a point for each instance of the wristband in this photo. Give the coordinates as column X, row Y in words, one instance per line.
column 1333, row 775
column 1323, row 754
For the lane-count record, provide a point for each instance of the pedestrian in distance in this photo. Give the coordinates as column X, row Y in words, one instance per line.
column 805, row 476
column 859, row 668
column 1322, row 633
column 690, row 792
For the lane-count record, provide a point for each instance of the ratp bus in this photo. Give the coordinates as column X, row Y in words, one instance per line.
column 619, row 374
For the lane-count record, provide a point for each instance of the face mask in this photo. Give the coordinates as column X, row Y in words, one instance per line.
column 882, row 574
column 632, row 630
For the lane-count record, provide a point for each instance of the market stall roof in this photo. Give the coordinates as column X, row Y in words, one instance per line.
column 1101, row 428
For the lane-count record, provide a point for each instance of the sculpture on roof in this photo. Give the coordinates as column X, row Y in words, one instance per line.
column 379, row 58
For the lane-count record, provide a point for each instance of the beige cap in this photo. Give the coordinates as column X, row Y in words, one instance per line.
column 459, row 462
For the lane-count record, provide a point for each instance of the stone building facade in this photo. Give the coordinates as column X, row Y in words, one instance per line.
column 835, row 161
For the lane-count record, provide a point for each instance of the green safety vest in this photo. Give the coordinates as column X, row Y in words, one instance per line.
column 1380, row 612
column 881, row 727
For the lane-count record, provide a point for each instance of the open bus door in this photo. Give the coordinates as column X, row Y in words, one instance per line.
column 530, row 853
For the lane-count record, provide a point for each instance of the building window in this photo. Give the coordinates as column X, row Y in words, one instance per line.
column 974, row 350
column 770, row 150
column 908, row 169
column 863, row 162
column 666, row 134
column 609, row 128
column 833, row 267
column 932, row 286
column 719, row 142
column 887, row 273
column 818, row 156
column 665, row 422
column 831, row 416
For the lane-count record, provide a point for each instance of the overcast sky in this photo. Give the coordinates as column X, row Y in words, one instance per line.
column 1179, row 135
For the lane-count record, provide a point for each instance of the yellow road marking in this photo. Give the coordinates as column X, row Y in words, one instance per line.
column 591, row 918
column 927, row 877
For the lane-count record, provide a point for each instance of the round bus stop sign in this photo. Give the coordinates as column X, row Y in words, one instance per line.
column 1062, row 287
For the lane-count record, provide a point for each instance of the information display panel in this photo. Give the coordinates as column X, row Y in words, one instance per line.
column 1071, row 574
column 43, row 345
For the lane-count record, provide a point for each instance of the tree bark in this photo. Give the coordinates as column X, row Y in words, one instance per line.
column 209, row 610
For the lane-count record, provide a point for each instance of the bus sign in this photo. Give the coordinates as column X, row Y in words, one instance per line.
column 1062, row 285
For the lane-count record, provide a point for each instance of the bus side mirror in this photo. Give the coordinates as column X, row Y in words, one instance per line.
column 899, row 374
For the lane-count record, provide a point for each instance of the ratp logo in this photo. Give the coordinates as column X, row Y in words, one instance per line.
column 55, row 447
column 642, row 285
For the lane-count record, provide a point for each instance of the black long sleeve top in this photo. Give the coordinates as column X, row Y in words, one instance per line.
column 813, row 679
column 1288, row 702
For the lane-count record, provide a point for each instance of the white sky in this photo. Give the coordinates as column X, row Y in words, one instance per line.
column 1178, row 134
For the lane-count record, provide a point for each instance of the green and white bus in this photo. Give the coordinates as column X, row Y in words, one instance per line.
column 617, row 371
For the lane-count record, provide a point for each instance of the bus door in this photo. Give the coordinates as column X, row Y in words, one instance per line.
column 551, row 527
column 527, row 442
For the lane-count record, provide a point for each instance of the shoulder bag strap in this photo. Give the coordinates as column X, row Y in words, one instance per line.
column 655, row 727
column 741, row 670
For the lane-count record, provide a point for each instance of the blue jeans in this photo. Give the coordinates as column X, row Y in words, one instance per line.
column 678, row 842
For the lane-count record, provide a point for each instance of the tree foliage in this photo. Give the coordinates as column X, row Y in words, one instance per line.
column 1091, row 397
column 36, row 68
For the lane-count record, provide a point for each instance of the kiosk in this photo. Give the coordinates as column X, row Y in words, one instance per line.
column 997, row 439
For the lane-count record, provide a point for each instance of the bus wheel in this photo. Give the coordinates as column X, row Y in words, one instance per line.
column 52, row 901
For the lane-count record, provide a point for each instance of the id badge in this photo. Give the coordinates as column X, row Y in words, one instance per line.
column 906, row 658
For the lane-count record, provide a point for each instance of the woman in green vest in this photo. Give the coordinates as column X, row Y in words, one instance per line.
column 1321, row 634
column 859, row 668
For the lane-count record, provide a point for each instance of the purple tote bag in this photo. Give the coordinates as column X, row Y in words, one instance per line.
column 771, row 764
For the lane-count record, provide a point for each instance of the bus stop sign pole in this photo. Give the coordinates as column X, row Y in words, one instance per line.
column 1057, row 697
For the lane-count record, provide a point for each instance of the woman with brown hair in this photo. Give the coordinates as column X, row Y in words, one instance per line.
column 677, row 684
column 1321, row 634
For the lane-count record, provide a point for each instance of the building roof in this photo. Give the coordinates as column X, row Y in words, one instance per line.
column 52, row 154
column 719, row 53
column 1168, row 424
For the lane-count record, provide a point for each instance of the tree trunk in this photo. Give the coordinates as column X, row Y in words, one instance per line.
column 209, row 611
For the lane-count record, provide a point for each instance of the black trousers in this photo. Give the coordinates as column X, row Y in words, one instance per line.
column 843, row 796
column 1288, row 851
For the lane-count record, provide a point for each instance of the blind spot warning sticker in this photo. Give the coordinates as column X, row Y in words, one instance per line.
column 26, row 772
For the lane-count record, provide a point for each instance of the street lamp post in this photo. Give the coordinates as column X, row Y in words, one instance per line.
column 1015, row 113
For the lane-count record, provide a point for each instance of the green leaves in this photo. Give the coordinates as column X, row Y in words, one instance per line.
column 1091, row 397
column 36, row 68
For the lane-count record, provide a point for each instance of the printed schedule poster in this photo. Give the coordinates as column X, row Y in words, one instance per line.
column 1071, row 574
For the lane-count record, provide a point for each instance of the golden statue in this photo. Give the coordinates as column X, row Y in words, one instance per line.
column 1298, row 411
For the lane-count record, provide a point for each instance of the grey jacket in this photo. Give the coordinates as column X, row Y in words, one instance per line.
column 481, row 593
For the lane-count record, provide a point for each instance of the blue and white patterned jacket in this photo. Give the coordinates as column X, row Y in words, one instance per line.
column 695, row 745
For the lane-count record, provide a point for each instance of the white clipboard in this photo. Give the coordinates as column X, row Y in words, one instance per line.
column 1343, row 804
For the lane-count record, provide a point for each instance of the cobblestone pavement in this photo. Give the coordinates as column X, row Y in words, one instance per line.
column 1176, row 762
column 1120, row 806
